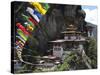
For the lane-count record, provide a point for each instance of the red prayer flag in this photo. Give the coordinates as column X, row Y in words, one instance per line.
column 22, row 28
column 33, row 21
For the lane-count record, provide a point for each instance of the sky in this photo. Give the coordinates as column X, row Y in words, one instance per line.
column 91, row 14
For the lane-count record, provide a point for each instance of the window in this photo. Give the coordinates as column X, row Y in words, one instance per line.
column 57, row 49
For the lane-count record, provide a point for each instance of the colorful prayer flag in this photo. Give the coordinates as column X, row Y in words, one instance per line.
column 39, row 7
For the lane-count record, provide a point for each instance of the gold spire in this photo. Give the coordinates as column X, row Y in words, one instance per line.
column 71, row 28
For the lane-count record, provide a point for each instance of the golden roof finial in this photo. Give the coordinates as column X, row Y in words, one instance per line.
column 71, row 27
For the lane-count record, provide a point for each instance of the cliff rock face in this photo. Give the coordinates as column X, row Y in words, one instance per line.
column 55, row 21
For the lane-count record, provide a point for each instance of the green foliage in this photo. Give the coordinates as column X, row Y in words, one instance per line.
column 64, row 66
column 92, row 52
column 71, row 58
column 70, row 62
